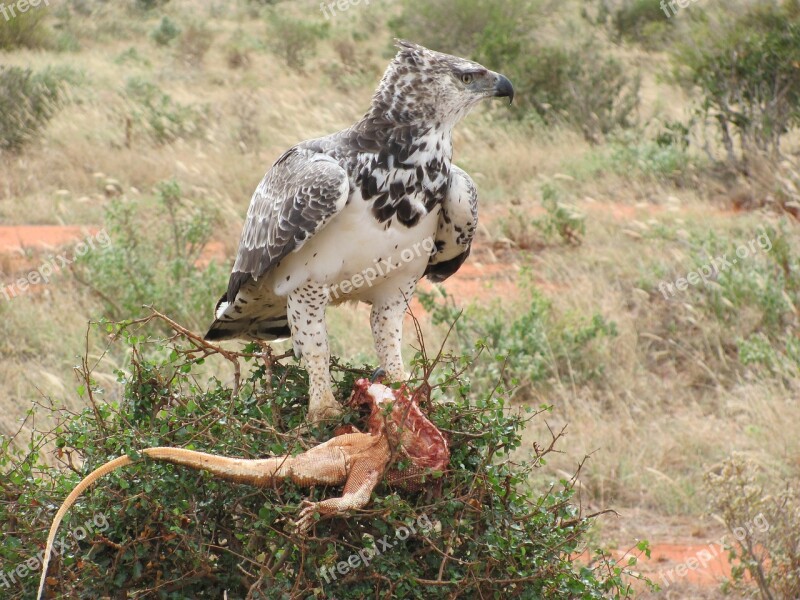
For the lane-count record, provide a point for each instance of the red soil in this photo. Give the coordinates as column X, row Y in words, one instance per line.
column 25, row 248
column 704, row 564
column 18, row 238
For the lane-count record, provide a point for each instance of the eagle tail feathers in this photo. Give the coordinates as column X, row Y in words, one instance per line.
column 267, row 330
column 249, row 319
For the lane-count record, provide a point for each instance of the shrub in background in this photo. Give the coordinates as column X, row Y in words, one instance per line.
column 163, row 119
column 594, row 93
column 293, row 40
column 561, row 222
column 748, row 309
column 468, row 27
column 25, row 30
column 166, row 31
column 154, row 258
column 577, row 85
column 636, row 19
column 535, row 348
column 766, row 280
column 745, row 65
column 28, row 101
column 764, row 528
column 640, row 21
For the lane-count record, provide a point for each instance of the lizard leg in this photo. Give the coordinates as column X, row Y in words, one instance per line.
column 364, row 475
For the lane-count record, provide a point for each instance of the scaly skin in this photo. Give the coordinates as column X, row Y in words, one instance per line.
column 358, row 460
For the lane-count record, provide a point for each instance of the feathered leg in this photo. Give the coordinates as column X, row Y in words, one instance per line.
column 306, row 309
column 388, row 309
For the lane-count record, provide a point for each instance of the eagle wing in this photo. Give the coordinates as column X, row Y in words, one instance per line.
column 299, row 196
column 458, row 220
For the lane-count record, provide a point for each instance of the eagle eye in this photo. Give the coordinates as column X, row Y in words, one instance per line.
column 467, row 78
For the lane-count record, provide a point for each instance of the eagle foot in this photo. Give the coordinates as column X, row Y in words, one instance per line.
column 324, row 411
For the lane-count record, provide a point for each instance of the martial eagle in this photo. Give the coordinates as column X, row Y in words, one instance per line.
column 362, row 214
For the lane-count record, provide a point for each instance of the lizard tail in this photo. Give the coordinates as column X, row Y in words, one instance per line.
column 258, row 472
column 87, row 481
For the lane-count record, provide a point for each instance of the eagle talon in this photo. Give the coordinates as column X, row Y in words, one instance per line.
column 322, row 406
column 327, row 412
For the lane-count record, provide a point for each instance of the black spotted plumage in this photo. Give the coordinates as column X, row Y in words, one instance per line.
column 395, row 164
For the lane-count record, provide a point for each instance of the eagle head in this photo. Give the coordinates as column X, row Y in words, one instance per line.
column 424, row 86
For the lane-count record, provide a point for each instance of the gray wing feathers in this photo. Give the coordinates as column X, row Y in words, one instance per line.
column 298, row 196
column 458, row 221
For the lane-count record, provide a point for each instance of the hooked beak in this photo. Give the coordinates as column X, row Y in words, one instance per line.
column 503, row 88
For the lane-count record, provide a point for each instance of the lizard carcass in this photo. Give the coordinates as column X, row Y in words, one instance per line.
column 396, row 429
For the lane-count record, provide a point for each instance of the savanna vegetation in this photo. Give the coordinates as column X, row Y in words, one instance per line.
column 625, row 336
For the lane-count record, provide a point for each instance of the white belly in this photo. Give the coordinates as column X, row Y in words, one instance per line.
column 354, row 254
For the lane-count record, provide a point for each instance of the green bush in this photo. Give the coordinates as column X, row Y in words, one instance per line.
column 641, row 21
column 163, row 119
column 534, row 348
column 146, row 5
column 574, row 84
column 28, row 101
column 561, row 221
column 153, row 256
column 166, row 31
column 751, row 291
column 766, row 278
column 173, row 533
column 25, row 30
column 593, row 93
column 779, row 358
column 293, row 40
column 487, row 28
column 745, row 65
column 634, row 14
column 665, row 158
